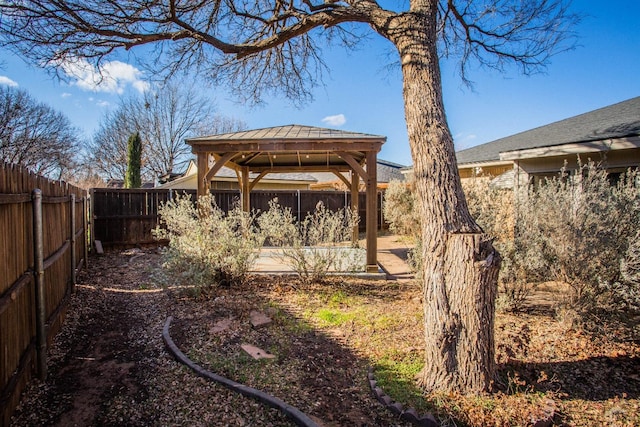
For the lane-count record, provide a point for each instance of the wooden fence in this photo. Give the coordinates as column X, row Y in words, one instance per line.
column 126, row 217
column 42, row 243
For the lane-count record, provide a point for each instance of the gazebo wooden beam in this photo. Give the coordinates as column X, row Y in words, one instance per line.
column 203, row 167
column 219, row 163
column 354, row 164
column 341, row 177
column 315, row 168
column 228, row 163
column 257, row 179
column 245, row 189
column 355, row 203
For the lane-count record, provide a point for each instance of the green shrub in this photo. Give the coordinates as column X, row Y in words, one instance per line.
column 132, row 177
column 309, row 247
column 207, row 247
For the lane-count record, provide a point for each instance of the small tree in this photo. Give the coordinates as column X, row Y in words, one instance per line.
column 133, row 178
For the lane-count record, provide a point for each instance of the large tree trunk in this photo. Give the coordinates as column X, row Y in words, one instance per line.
column 460, row 267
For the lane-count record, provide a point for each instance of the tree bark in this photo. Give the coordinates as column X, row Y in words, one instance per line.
column 460, row 266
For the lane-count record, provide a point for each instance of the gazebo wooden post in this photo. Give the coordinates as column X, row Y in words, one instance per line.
column 355, row 201
column 245, row 189
column 203, row 167
column 372, row 213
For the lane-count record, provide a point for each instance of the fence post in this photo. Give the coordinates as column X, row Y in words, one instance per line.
column 85, row 232
column 92, row 234
column 38, row 267
column 72, row 204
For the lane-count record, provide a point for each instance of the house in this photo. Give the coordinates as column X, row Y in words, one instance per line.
column 226, row 179
column 609, row 136
column 385, row 171
column 119, row 183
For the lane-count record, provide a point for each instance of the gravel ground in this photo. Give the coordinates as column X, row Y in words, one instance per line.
column 109, row 366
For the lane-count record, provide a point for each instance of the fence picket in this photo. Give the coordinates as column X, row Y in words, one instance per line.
column 18, row 343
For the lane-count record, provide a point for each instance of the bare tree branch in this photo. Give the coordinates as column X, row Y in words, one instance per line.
column 34, row 135
column 498, row 33
column 164, row 117
column 190, row 35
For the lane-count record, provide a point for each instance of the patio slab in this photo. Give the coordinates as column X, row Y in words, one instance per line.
column 392, row 263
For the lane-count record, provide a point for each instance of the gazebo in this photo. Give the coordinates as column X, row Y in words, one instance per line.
column 295, row 148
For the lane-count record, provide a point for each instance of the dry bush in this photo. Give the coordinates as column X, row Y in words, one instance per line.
column 578, row 229
column 585, row 230
column 493, row 209
column 399, row 209
column 307, row 246
column 206, row 247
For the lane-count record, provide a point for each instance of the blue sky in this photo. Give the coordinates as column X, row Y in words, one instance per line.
column 362, row 94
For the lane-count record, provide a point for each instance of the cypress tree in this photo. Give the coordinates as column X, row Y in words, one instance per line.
column 132, row 178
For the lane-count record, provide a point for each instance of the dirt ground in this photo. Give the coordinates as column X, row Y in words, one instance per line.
column 108, row 365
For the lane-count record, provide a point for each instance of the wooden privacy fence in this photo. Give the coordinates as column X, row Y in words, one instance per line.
column 126, row 217
column 42, row 244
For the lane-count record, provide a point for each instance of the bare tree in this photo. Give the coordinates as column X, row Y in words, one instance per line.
column 107, row 152
column 267, row 46
column 34, row 135
column 164, row 117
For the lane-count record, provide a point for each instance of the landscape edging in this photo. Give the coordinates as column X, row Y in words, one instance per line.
column 409, row 414
column 299, row 417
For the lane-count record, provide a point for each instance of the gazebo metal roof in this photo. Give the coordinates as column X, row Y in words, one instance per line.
column 291, row 148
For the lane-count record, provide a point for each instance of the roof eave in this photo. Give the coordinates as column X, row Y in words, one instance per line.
column 609, row 144
column 485, row 164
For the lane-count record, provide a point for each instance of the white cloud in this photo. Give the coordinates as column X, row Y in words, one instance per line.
column 337, row 120
column 112, row 77
column 6, row 81
column 462, row 140
column 65, row 95
column 141, row 85
column 102, row 103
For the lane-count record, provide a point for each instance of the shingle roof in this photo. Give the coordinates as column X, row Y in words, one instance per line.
column 615, row 121
column 388, row 171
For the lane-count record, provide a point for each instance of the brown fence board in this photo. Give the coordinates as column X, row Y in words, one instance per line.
column 17, row 285
column 127, row 217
